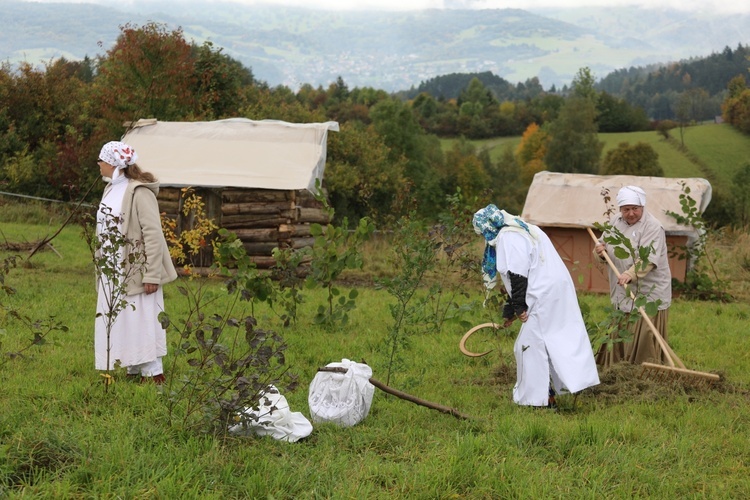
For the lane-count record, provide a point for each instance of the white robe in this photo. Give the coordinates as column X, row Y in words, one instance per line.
column 553, row 342
column 136, row 336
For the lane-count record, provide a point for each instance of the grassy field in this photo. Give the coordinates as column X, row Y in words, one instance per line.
column 720, row 147
column 62, row 436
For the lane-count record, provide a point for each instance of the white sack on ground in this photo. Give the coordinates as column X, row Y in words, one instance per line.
column 275, row 419
column 341, row 398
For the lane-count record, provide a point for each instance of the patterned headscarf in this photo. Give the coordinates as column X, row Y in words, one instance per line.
column 118, row 154
column 488, row 222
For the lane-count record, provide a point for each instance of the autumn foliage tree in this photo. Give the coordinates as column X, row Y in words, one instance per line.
column 531, row 151
column 45, row 127
column 148, row 73
column 736, row 107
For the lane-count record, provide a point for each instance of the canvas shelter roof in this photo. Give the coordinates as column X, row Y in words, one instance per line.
column 236, row 152
column 576, row 200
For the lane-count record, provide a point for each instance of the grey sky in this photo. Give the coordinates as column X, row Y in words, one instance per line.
column 707, row 6
column 692, row 5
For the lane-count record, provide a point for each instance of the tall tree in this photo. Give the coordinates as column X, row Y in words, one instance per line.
column 574, row 145
column 219, row 82
column 360, row 178
column 148, row 73
column 583, row 84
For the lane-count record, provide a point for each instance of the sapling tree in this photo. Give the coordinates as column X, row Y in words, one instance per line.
column 432, row 265
column 334, row 250
column 117, row 260
column 288, row 274
column 455, row 265
column 413, row 256
column 699, row 284
column 223, row 361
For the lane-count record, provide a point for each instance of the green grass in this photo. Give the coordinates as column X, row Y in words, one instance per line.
column 62, row 436
column 722, row 148
column 674, row 163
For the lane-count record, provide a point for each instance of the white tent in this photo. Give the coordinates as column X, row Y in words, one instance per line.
column 237, row 152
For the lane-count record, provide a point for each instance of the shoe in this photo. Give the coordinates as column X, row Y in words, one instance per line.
column 159, row 379
column 551, row 403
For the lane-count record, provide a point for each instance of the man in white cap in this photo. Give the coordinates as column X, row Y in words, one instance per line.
column 651, row 279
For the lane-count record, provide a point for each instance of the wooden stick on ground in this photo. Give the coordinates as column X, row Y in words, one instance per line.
column 408, row 397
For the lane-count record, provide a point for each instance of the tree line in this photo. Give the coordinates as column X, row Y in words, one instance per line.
column 386, row 160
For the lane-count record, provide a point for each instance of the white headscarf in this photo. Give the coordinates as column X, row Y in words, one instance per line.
column 118, row 154
column 631, row 195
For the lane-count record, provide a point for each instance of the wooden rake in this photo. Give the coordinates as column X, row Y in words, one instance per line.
column 674, row 370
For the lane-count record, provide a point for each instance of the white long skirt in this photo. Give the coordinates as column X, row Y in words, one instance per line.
column 136, row 336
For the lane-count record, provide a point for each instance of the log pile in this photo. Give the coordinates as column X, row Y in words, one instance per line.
column 262, row 219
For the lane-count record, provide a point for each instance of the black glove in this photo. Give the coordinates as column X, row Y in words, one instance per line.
column 516, row 304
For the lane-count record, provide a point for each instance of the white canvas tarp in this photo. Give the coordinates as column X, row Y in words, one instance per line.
column 577, row 200
column 237, row 152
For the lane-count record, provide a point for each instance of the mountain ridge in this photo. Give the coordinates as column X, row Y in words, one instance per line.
column 386, row 50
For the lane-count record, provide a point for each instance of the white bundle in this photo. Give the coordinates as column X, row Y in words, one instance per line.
column 341, row 398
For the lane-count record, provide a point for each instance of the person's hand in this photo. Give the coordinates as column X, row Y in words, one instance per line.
column 523, row 316
column 508, row 322
column 600, row 249
column 150, row 288
column 624, row 279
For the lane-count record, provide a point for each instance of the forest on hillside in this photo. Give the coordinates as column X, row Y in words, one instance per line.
column 387, row 160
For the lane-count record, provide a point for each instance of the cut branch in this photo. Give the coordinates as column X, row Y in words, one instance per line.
column 408, row 397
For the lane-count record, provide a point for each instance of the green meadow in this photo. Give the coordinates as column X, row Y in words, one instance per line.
column 718, row 147
column 63, row 436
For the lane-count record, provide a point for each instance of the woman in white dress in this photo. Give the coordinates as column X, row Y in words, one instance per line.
column 553, row 352
column 136, row 339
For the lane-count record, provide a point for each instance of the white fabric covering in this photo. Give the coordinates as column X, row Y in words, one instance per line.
column 341, row 398
column 275, row 419
column 237, row 152
column 576, row 200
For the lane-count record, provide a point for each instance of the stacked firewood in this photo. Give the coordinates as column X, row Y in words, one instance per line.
column 262, row 219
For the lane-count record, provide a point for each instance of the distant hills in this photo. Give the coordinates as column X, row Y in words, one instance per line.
column 386, row 50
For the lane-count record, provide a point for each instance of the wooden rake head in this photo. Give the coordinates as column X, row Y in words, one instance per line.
column 675, row 375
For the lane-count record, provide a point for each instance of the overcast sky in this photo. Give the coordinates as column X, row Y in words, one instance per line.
column 708, row 6
column 693, row 5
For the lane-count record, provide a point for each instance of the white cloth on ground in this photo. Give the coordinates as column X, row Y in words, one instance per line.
column 274, row 418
